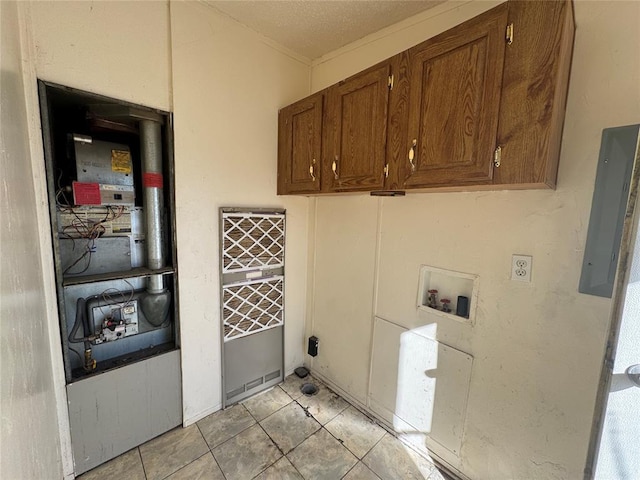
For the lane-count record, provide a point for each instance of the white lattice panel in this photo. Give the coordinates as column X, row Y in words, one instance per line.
column 252, row 306
column 252, row 241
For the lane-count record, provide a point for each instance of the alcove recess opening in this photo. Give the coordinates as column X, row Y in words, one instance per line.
column 450, row 285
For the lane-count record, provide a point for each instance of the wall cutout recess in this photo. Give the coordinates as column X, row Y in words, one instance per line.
column 447, row 294
column 110, row 181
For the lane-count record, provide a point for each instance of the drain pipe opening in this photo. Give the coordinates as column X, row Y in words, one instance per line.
column 309, row 389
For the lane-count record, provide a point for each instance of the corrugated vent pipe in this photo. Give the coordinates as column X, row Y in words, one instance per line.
column 155, row 303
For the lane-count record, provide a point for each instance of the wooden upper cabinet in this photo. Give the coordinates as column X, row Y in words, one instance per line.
column 496, row 83
column 300, row 146
column 454, row 101
column 534, row 93
column 355, row 131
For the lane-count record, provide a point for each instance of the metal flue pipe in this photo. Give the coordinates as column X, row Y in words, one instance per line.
column 155, row 304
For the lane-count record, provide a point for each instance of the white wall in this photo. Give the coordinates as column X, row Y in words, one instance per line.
column 537, row 347
column 228, row 85
column 30, row 439
column 345, row 253
column 118, row 49
column 225, row 85
column 396, row 38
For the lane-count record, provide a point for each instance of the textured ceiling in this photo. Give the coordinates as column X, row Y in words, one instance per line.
column 312, row 28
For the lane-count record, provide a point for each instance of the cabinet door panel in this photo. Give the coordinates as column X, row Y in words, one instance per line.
column 454, row 103
column 299, row 146
column 357, row 131
column 534, row 93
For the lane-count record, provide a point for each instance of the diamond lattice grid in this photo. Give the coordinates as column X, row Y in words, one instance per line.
column 253, row 306
column 252, row 241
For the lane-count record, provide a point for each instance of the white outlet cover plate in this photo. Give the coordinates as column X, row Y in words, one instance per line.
column 521, row 268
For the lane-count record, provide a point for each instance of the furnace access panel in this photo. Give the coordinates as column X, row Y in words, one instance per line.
column 110, row 180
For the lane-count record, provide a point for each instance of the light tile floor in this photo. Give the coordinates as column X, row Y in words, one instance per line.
column 280, row 434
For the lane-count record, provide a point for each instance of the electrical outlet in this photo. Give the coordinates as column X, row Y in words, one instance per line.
column 521, row 268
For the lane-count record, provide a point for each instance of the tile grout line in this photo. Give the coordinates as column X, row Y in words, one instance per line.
column 308, row 415
column 288, row 460
column 276, row 411
column 185, row 466
column 323, row 427
column 387, row 430
column 233, row 436
column 326, row 401
column 245, row 429
column 415, row 450
column 195, row 459
column 370, row 450
column 360, row 460
column 347, row 448
column 144, row 470
column 210, row 451
column 284, row 455
column 344, row 476
column 276, row 445
column 373, row 421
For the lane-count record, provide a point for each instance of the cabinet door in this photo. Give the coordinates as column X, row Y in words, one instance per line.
column 534, row 93
column 299, row 146
column 356, row 131
column 455, row 81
